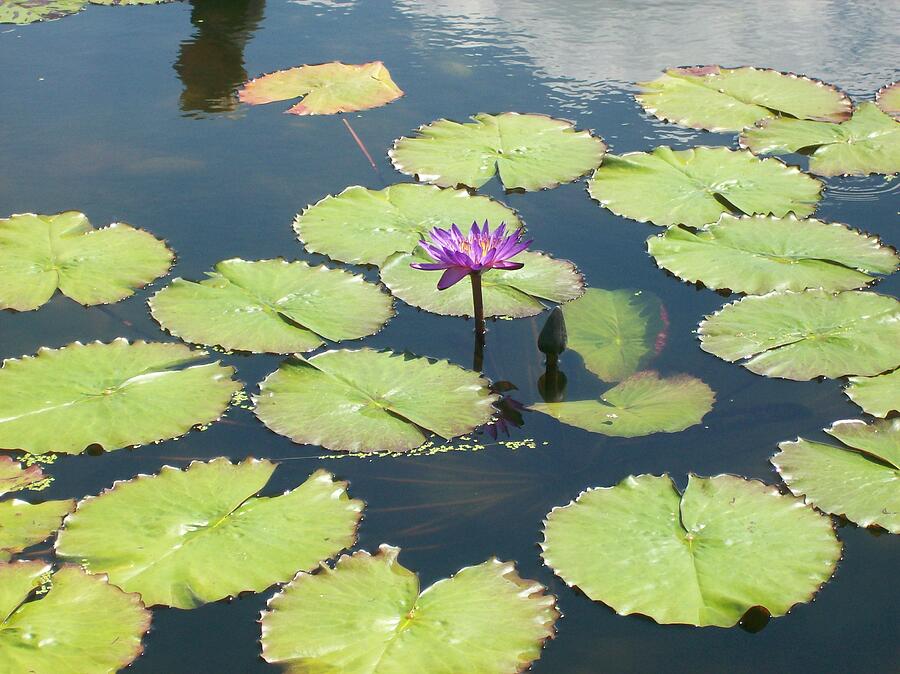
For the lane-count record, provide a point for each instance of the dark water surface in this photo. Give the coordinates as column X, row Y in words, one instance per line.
column 129, row 114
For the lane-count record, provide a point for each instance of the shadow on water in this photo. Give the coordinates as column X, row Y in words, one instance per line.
column 210, row 64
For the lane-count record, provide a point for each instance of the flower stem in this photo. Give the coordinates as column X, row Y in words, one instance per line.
column 478, row 304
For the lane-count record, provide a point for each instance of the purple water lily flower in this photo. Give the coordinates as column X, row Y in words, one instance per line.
column 459, row 256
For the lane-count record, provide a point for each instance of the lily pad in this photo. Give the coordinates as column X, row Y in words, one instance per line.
column 14, row 477
column 42, row 253
column 809, row 334
column 761, row 253
column 729, row 99
column 863, row 485
column 515, row 293
column 643, row 404
column 83, row 624
column 879, row 395
column 694, row 187
column 888, row 99
column 113, row 395
column 271, row 306
column 25, row 524
column 702, row 558
column 531, row 152
column 187, row 537
column 615, row 331
column 326, row 88
column 369, row 401
column 29, row 11
column 363, row 226
column 483, row 620
column 868, row 143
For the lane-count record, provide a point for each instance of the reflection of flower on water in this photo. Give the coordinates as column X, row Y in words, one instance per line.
column 663, row 336
column 509, row 411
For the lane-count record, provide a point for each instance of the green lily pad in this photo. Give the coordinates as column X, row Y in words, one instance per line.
column 862, row 485
column 702, row 558
column 187, row 537
column 83, row 624
column 809, row 334
column 483, row 620
column 113, row 395
column 326, row 88
column 694, row 187
column 25, row 524
column 868, row 143
column 888, row 99
column 42, row 253
column 13, row 477
column 761, row 253
column 643, row 404
column 272, row 306
column 29, row 11
column 363, row 226
column 515, row 293
column 615, row 331
column 369, row 401
column 729, row 99
column 879, row 395
column 531, row 152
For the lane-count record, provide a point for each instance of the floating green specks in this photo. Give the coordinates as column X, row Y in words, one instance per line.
column 326, row 88
column 729, row 99
column 879, row 395
column 187, row 537
column 483, row 620
column 868, row 143
column 370, row 401
column 694, row 187
column 272, row 306
column 83, row 624
column 808, row 334
column 30, row 11
column 762, row 253
column 363, row 226
column 643, row 404
column 515, row 293
column 702, row 558
column 113, row 395
column 862, row 482
column 615, row 331
column 531, row 152
column 42, row 253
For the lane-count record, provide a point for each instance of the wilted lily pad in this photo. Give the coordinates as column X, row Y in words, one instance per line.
column 483, row 620
column 326, row 88
column 273, row 306
column 868, row 143
column 694, row 187
column 808, row 334
column 761, row 253
column 888, row 99
column 728, row 99
column 368, row 401
column 83, row 624
column 863, row 485
column 40, row 253
column 531, row 152
column 30, row 11
column 643, row 404
column 615, row 331
column 516, row 293
column 187, row 537
column 879, row 395
column 702, row 558
column 112, row 395
column 363, row 226
column 14, row 477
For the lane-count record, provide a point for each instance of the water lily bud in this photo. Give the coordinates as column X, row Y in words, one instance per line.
column 553, row 337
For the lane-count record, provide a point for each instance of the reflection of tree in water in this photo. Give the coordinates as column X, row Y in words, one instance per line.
column 211, row 63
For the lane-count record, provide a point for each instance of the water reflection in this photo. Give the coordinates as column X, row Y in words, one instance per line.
column 211, row 63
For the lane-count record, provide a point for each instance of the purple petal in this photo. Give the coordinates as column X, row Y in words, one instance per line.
column 429, row 266
column 457, row 235
column 451, row 276
column 505, row 264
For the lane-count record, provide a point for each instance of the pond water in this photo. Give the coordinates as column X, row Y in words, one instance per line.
column 130, row 114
